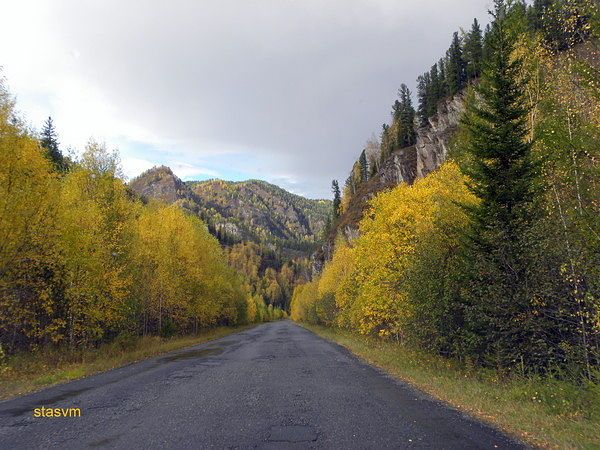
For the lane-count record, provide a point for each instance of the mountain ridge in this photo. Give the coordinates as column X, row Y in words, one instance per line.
column 237, row 211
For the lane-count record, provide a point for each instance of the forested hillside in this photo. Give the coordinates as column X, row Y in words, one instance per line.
column 262, row 212
column 237, row 212
column 483, row 244
column 267, row 232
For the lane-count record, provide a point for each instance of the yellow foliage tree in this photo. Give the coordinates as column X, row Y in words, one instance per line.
column 370, row 281
column 95, row 219
column 28, row 194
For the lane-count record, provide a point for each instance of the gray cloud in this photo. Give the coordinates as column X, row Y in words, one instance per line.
column 290, row 90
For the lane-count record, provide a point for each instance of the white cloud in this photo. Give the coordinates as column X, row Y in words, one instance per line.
column 132, row 167
column 189, row 171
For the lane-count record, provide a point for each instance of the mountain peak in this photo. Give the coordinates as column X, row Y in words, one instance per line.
column 250, row 210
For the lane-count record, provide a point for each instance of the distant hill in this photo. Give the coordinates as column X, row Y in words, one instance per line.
column 251, row 210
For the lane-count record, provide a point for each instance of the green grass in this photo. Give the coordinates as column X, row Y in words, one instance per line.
column 27, row 372
column 540, row 411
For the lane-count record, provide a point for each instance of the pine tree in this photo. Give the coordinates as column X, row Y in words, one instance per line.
column 423, row 86
column 434, row 91
column 327, row 227
column 456, row 68
column 474, row 50
column 337, row 199
column 386, row 144
column 407, row 117
column 364, row 166
column 536, row 12
column 49, row 140
column 442, row 91
column 504, row 177
column 486, row 43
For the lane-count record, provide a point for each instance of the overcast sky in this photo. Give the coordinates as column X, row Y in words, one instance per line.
column 281, row 90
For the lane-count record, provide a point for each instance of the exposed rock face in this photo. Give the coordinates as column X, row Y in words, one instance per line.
column 400, row 167
column 431, row 149
column 161, row 184
column 433, row 139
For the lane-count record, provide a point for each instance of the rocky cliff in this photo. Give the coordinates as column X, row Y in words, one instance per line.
column 404, row 165
column 160, row 183
column 433, row 139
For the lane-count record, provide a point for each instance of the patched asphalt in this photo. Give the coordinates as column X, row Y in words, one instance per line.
column 274, row 386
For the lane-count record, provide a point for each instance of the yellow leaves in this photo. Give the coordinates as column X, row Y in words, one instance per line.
column 81, row 259
column 369, row 280
column 28, row 193
column 183, row 270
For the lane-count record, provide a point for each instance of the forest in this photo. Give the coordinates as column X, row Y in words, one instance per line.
column 84, row 261
column 493, row 258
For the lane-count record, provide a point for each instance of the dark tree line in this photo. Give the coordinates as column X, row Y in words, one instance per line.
column 463, row 62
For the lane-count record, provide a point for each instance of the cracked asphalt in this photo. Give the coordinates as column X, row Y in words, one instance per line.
column 274, row 386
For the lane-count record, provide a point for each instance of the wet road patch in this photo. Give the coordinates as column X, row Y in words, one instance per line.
column 292, row 433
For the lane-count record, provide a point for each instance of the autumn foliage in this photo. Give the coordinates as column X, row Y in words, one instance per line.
column 493, row 257
column 83, row 260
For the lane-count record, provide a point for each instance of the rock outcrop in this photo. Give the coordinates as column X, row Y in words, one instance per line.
column 403, row 166
column 431, row 148
column 400, row 167
column 160, row 183
column 433, row 139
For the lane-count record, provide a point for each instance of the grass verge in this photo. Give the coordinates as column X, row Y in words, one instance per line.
column 543, row 412
column 28, row 372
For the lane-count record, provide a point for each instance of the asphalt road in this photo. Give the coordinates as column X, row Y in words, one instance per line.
column 274, row 386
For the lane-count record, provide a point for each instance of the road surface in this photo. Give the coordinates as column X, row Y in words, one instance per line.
column 274, row 386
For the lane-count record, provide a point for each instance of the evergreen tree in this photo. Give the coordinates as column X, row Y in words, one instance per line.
column 396, row 110
column 396, row 129
column 504, row 177
column 49, row 140
column 474, row 50
column 442, row 91
column 386, row 144
column 536, row 12
column 364, row 166
column 456, row 68
column 337, row 199
column 486, row 43
column 407, row 118
column 327, row 228
column 423, row 87
column 434, row 91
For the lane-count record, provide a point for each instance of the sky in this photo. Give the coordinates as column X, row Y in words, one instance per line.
column 287, row 91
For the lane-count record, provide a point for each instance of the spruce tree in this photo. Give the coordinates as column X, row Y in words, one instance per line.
column 536, row 12
column 434, row 91
column 49, row 140
column 364, row 166
column 386, row 144
column 337, row 199
column 504, row 177
column 423, row 87
column 456, row 74
column 407, row 117
column 486, row 43
column 474, row 51
column 442, row 91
